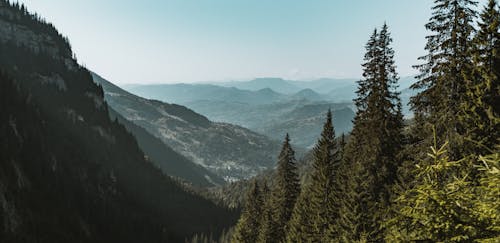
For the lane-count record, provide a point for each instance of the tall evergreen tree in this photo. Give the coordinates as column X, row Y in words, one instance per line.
column 283, row 195
column 375, row 141
column 247, row 228
column 482, row 106
column 322, row 188
column 441, row 81
column 387, row 115
column 315, row 221
column 358, row 185
column 449, row 200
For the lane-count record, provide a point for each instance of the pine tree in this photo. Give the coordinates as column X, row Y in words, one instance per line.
column 446, row 205
column 247, row 228
column 283, row 195
column 449, row 198
column 441, row 82
column 355, row 170
column 317, row 208
column 371, row 155
column 388, row 115
column 482, row 106
column 321, row 191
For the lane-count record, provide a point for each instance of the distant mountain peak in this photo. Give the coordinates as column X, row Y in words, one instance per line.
column 278, row 85
column 308, row 94
column 267, row 91
column 307, row 91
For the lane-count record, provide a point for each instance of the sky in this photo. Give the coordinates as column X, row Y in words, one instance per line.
column 171, row 41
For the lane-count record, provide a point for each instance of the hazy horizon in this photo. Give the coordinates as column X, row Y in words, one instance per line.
column 238, row 80
column 174, row 41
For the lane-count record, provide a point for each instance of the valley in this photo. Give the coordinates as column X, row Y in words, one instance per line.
column 271, row 106
column 285, row 154
column 228, row 151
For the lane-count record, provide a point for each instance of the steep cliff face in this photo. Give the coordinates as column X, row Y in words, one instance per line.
column 67, row 172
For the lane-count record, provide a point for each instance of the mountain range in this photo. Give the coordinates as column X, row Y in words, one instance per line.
column 289, row 87
column 328, row 89
column 262, row 109
column 183, row 93
column 302, row 119
column 228, row 151
column 256, row 92
column 271, row 106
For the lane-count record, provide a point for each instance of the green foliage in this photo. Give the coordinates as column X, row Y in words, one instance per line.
column 487, row 205
column 370, row 158
column 316, row 210
column 370, row 189
column 267, row 221
column 283, row 196
column 247, row 228
column 481, row 109
column 356, row 203
column 68, row 173
column 441, row 82
column 446, row 205
column 300, row 225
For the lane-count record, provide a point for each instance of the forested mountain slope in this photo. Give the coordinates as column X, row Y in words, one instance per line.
column 230, row 151
column 67, row 172
column 169, row 161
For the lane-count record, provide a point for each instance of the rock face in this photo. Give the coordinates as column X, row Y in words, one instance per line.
column 230, row 151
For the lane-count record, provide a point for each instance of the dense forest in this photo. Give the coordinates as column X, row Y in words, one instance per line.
column 435, row 178
column 68, row 173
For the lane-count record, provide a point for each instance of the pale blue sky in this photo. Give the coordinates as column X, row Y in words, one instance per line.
column 160, row 41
